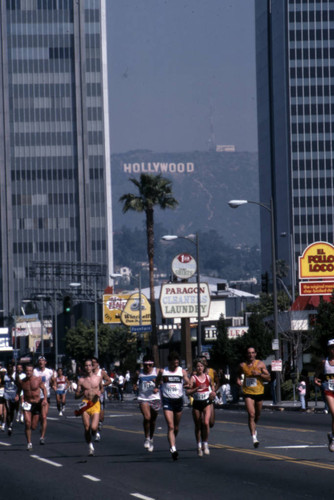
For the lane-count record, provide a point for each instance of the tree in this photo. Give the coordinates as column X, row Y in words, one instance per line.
column 324, row 324
column 153, row 190
column 115, row 344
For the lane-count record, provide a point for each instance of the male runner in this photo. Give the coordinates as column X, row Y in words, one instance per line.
column 90, row 388
column 32, row 405
column 11, row 397
column 255, row 373
column 46, row 375
column 106, row 380
column 172, row 379
column 21, row 374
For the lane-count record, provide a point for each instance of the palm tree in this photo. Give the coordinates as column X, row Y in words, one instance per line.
column 153, row 190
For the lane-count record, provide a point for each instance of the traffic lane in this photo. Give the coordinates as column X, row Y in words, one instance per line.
column 151, row 474
column 229, row 471
column 60, row 468
column 301, row 435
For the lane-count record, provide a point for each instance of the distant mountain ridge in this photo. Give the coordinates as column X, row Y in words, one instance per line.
column 203, row 183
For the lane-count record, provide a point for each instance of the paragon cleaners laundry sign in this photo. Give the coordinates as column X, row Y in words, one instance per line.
column 179, row 300
column 317, row 261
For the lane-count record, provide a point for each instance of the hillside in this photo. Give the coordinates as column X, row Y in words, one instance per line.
column 203, row 183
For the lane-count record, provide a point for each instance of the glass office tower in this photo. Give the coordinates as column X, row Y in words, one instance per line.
column 55, row 187
column 295, row 54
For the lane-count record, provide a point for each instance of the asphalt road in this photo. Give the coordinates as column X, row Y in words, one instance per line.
column 292, row 461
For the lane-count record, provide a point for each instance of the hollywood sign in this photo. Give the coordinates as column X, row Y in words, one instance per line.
column 158, row 168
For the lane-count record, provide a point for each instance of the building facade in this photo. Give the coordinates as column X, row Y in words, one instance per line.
column 55, row 186
column 294, row 56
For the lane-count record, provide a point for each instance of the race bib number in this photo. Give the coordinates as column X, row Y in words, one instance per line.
column 251, row 382
column 26, row 406
column 331, row 384
column 201, row 396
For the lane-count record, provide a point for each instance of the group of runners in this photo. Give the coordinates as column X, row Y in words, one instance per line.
column 156, row 387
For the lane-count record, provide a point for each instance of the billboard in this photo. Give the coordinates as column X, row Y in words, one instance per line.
column 317, row 261
column 113, row 305
column 179, row 300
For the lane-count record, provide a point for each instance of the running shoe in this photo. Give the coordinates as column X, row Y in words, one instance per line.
column 22, row 419
column 147, row 443
column 3, row 427
column 256, row 442
column 174, row 454
column 91, row 450
column 10, row 431
column 18, row 417
column 29, row 446
column 199, row 451
column 60, row 413
column 150, row 447
column 330, row 442
column 206, row 449
column 97, row 437
column 41, row 440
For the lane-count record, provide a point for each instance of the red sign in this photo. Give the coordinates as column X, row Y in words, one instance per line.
column 316, row 287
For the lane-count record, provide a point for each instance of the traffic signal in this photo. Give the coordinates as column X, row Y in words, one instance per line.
column 67, row 304
column 265, row 283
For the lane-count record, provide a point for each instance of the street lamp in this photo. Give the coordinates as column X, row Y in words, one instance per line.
column 270, row 208
column 193, row 238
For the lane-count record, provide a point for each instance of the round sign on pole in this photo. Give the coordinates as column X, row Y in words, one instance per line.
column 184, row 266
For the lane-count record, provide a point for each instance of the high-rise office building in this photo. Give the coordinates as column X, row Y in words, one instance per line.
column 294, row 54
column 55, row 187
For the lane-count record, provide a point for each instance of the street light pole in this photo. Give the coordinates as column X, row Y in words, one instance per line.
column 236, row 204
column 195, row 242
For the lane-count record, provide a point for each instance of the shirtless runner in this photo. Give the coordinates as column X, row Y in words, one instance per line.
column 32, row 404
column 90, row 388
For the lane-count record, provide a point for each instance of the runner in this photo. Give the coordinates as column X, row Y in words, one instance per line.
column 200, row 389
column 324, row 377
column 2, row 399
column 32, row 405
column 90, row 388
column 214, row 385
column 46, row 375
column 148, row 398
column 61, row 385
column 106, row 380
column 255, row 373
column 11, row 397
column 172, row 379
column 21, row 374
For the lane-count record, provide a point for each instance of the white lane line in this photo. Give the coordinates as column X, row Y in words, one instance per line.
column 5, row 444
column 45, row 460
column 53, row 418
column 143, row 497
column 92, row 478
column 297, row 446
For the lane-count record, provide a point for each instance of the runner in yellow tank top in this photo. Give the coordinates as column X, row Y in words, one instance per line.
column 255, row 373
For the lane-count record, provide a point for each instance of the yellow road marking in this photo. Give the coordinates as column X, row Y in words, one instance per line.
column 272, row 456
column 294, row 429
column 258, row 453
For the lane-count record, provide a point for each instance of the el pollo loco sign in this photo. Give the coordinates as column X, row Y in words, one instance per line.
column 317, row 262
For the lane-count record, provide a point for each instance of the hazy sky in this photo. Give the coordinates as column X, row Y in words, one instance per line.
column 175, row 66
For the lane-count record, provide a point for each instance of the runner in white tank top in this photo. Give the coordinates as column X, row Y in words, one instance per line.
column 172, row 379
column 148, row 398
